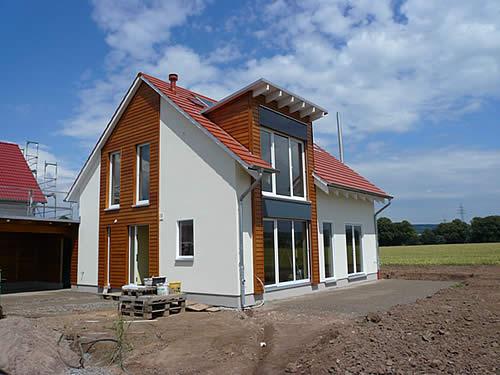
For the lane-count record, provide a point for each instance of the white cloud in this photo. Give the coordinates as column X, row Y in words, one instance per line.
column 450, row 172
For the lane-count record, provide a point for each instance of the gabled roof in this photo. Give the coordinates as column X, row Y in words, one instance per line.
column 335, row 173
column 185, row 101
column 283, row 97
column 16, row 179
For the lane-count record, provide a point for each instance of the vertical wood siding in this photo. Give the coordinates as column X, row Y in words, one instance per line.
column 140, row 123
column 234, row 118
column 73, row 277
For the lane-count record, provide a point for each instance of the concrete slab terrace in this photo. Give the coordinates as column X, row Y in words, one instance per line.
column 360, row 299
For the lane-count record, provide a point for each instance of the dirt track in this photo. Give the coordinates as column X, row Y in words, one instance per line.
column 457, row 330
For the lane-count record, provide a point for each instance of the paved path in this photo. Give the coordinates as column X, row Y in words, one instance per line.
column 362, row 298
column 65, row 301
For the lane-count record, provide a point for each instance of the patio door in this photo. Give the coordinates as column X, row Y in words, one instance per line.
column 138, row 254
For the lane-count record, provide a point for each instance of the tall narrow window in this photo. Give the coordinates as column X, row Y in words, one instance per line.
column 186, row 238
column 285, row 250
column 354, row 249
column 328, row 249
column 269, row 265
column 297, row 168
column 114, row 171
column 265, row 151
column 143, row 173
column 300, row 242
column 286, row 155
column 282, row 164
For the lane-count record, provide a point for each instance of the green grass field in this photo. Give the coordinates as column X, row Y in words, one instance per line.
column 434, row 255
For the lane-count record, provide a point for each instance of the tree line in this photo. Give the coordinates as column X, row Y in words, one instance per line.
column 480, row 229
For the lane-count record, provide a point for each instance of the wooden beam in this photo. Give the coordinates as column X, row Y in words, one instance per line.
column 297, row 107
column 274, row 96
column 261, row 90
column 316, row 115
column 286, row 101
column 307, row 111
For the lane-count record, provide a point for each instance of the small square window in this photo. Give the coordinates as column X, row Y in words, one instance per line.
column 186, row 238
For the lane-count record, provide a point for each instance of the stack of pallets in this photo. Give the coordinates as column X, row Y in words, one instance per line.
column 150, row 306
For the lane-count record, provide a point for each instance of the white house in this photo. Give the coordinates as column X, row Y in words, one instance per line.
column 232, row 198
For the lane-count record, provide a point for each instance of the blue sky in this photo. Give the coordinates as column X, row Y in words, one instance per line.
column 417, row 82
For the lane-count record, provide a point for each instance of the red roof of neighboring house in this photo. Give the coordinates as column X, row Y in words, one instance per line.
column 184, row 100
column 335, row 172
column 15, row 176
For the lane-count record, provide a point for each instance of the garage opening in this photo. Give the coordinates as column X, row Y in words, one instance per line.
column 32, row 259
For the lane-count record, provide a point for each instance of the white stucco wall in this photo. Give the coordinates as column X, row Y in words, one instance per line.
column 340, row 211
column 197, row 181
column 88, row 236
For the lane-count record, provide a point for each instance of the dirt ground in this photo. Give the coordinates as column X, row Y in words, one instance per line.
column 456, row 330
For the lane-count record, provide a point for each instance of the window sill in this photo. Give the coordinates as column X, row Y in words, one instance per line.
column 112, row 208
column 330, row 280
column 184, row 259
column 141, row 204
column 285, row 198
column 355, row 276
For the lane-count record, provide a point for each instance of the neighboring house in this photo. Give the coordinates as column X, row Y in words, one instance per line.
column 35, row 253
column 19, row 191
column 204, row 192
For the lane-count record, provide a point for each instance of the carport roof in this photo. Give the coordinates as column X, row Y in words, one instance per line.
column 16, row 179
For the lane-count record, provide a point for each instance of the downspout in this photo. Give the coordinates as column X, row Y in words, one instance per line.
column 242, row 256
column 376, row 236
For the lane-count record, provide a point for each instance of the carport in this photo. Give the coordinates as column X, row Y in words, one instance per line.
column 37, row 254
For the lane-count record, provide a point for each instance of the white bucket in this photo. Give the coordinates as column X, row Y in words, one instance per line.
column 162, row 290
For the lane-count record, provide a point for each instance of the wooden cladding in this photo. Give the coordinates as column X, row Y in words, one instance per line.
column 73, row 273
column 140, row 123
column 234, row 118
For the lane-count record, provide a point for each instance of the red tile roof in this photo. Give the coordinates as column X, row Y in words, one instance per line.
column 335, row 172
column 184, row 100
column 15, row 176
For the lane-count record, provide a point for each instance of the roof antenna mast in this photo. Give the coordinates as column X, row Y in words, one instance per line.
column 339, row 132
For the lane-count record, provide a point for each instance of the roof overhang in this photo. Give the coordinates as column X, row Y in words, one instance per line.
column 275, row 93
column 348, row 192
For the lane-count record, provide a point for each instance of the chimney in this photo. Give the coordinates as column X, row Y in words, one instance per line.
column 339, row 132
column 172, row 77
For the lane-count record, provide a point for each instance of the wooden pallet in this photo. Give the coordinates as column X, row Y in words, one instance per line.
column 149, row 307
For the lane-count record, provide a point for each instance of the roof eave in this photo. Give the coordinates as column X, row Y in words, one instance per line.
column 275, row 92
column 349, row 188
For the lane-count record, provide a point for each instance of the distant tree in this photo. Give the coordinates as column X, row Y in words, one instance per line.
column 485, row 229
column 430, row 237
column 405, row 234
column 455, row 231
column 385, row 231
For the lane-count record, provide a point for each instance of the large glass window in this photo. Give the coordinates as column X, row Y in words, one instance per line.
column 186, row 238
column 354, row 248
column 114, row 182
column 286, row 155
column 286, row 251
column 143, row 173
column 328, row 249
